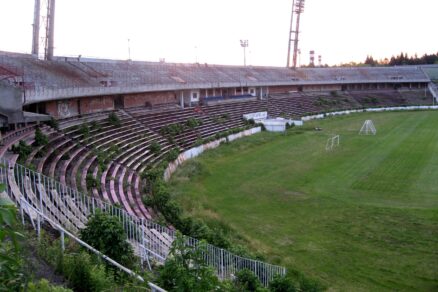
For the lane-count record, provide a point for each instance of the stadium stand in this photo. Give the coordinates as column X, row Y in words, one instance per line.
column 99, row 162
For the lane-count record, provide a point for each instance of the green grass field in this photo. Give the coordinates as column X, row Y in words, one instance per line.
column 363, row 217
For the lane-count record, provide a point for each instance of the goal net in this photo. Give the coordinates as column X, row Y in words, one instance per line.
column 332, row 143
column 368, row 128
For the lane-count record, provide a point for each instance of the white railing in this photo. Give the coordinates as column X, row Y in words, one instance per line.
column 151, row 242
column 434, row 91
column 372, row 109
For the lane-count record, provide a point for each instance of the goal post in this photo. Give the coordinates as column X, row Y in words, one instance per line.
column 332, row 142
column 368, row 128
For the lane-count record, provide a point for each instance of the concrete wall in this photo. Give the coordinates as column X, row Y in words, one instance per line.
column 328, row 87
column 96, row 104
column 11, row 103
column 282, row 89
column 62, row 109
column 150, row 98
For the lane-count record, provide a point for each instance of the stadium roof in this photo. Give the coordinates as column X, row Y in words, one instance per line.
column 67, row 77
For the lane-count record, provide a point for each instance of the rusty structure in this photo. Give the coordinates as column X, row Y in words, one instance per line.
column 50, row 30
column 297, row 9
column 48, row 38
column 36, row 29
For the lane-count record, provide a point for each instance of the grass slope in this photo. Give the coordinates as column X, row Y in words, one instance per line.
column 362, row 217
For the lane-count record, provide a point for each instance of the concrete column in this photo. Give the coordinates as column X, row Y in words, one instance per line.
column 181, row 99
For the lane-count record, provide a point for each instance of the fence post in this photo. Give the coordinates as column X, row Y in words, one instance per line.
column 41, row 196
column 62, row 241
column 222, row 263
column 38, row 226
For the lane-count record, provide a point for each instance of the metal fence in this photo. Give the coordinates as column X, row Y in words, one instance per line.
column 151, row 241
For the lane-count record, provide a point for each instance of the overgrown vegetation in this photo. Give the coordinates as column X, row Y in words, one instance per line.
column 193, row 123
column 40, row 138
column 114, row 120
column 106, row 156
column 15, row 270
column 172, row 130
column 84, row 129
column 155, row 147
column 92, row 182
column 175, row 129
column 186, row 271
column 172, row 155
column 11, row 274
column 53, row 123
column 221, row 119
column 106, row 233
column 22, row 149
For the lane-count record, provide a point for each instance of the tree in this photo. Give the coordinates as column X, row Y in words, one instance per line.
column 185, row 269
column 370, row 61
column 105, row 233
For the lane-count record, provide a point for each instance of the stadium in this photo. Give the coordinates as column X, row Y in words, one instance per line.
column 339, row 213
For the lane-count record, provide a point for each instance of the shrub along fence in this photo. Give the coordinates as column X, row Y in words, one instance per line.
column 151, row 242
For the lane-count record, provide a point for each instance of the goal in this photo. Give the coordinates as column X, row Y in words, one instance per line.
column 332, row 143
column 368, row 128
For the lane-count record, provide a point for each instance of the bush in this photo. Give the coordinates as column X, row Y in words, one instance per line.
column 199, row 141
column 155, row 147
column 83, row 275
column 106, row 233
column 85, row 131
column 185, row 269
column 334, row 93
column 152, row 174
column 193, row 123
column 289, row 126
column 92, row 182
column 246, row 281
column 94, row 125
column 53, row 123
column 40, row 138
column 23, row 150
column 172, row 130
column 172, row 155
column 44, row 286
column 114, row 120
column 11, row 274
column 281, row 284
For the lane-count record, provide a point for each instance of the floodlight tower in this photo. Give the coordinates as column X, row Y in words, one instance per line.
column 36, row 29
column 50, row 30
column 297, row 9
column 244, row 45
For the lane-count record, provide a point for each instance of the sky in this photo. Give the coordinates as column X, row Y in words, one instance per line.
column 209, row 31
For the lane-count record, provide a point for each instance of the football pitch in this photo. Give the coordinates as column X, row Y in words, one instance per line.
column 362, row 217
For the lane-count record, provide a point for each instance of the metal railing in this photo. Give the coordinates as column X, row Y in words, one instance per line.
column 151, row 242
column 41, row 216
